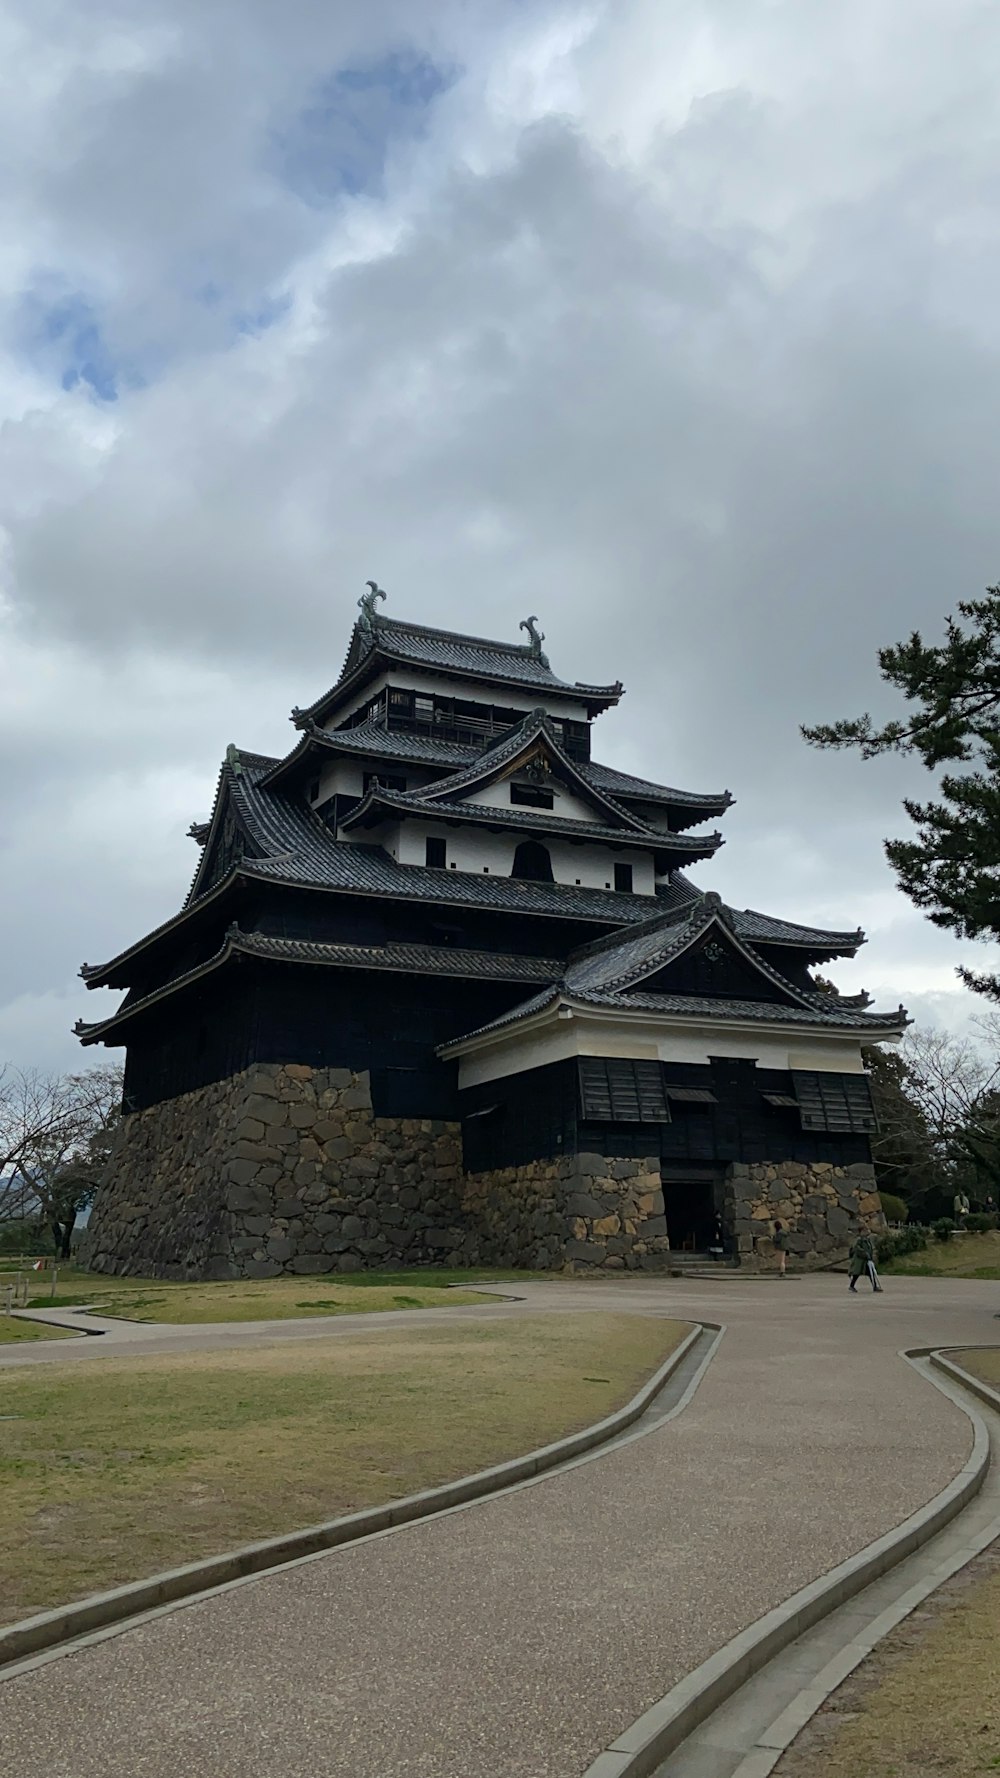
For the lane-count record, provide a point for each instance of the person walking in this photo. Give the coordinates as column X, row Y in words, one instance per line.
column 779, row 1244
column 861, row 1262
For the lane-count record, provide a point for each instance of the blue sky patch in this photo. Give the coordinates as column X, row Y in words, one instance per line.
column 63, row 333
column 338, row 145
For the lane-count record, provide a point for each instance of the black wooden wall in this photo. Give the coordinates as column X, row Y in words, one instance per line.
column 526, row 1116
column 253, row 1012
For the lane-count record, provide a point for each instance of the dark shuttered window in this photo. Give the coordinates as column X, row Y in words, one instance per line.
column 838, row 1102
column 614, row 1091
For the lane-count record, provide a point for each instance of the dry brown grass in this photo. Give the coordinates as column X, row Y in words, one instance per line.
column 927, row 1703
column 268, row 1299
column 985, row 1365
column 120, row 1468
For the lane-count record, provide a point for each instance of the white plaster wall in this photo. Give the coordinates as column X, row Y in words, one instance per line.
column 511, row 698
column 345, row 777
column 596, row 1037
column 565, row 806
column 487, row 854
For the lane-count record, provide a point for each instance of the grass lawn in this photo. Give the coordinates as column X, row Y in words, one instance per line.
column 269, row 1299
column 927, row 1703
column 114, row 1470
column 964, row 1256
column 13, row 1330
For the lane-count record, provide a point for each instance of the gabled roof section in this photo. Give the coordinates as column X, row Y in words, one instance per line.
column 230, row 834
column 815, row 943
column 534, row 738
column 378, row 640
column 621, row 964
column 611, row 973
column 379, row 805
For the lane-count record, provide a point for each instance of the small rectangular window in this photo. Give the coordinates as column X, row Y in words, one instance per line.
column 623, row 878
column 437, row 853
column 691, row 1096
column 531, row 796
column 387, row 780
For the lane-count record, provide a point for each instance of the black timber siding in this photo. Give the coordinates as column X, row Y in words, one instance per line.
column 251, row 1012
column 536, row 1114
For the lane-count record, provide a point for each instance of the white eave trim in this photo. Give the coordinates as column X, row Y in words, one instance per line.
column 565, row 1007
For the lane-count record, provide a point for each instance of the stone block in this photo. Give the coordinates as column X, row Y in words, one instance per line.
column 356, row 1099
column 350, row 1262
column 288, row 1207
column 585, row 1250
column 838, row 1222
column 307, row 1263
column 248, row 1197
column 582, row 1204
column 250, row 1128
column 298, row 1071
column 591, row 1166
column 260, row 1268
column 327, row 1223
column 652, row 1226
column 242, row 1172
column 280, row 1247
column 266, row 1111
column 352, row 1226
column 605, row 1225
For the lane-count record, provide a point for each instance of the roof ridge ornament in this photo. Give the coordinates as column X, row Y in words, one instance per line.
column 233, row 760
column 366, row 606
column 535, row 639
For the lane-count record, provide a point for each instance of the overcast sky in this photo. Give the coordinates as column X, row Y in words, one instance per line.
column 675, row 324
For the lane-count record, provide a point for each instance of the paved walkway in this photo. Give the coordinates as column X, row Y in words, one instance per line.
column 518, row 1637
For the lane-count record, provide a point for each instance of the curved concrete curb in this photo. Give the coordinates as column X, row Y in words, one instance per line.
column 660, row 1730
column 959, row 1374
column 66, row 1623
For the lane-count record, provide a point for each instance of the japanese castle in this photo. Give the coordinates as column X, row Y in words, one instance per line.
column 442, row 990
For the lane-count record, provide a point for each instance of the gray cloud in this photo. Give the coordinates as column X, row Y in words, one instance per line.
column 690, row 349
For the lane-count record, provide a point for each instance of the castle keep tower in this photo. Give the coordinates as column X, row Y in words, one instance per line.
column 442, row 990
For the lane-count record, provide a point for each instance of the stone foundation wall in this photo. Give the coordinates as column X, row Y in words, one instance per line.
column 571, row 1212
column 279, row 1169
column 819, row 1205
column 287, row 1169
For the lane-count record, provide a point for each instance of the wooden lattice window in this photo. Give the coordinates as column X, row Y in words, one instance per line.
column 620, row 1091
column 841, row 1103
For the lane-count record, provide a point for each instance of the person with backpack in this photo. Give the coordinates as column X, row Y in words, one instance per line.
column 861, row 1261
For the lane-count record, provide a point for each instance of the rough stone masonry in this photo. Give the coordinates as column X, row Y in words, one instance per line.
column 286, row 1169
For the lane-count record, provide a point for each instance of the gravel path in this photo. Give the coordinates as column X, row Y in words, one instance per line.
column 515, row 1639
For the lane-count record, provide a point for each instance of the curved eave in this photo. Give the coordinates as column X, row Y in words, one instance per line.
column 453, row 963
column 108, row 975
column 596, row 697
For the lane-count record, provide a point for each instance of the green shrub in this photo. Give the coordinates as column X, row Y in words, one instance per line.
column 978, row 1223
column 892, row 1246
column 893, row 1208
column 29, row 1235
column 943, row 1228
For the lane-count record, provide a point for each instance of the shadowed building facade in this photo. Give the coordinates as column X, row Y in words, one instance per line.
column 442, row 990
